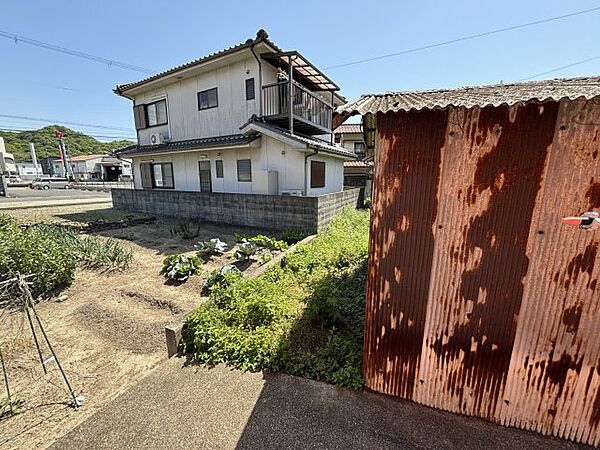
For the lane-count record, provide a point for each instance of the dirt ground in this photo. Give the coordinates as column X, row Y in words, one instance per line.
column 107, row 329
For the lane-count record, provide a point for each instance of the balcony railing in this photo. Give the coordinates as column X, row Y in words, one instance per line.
column 311, row 115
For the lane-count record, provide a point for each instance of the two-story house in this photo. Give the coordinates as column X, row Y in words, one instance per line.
column 357, row 173
column 249, row 119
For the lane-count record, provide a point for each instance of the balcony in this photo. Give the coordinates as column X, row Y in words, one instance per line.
column 310, row 115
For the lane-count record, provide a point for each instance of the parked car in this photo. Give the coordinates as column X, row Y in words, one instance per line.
column 51, row 183
column 15, row 180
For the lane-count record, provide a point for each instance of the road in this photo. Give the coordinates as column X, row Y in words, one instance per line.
column 24, row 197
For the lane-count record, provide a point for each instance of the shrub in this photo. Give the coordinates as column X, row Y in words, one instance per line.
column 180, row 267
column 214, row 246
column 223, row 277
column 245, row 251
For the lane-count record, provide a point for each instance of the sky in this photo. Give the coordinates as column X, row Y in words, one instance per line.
column 159, row 34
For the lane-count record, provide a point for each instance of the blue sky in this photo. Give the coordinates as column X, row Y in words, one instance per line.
column 161, row 34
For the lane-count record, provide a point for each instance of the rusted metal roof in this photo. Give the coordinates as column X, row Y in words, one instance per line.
column 494, row 95
column 479, row 300
column 349, row 128
column 261, row 36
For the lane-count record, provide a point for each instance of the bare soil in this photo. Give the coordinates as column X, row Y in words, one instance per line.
column 107, row 329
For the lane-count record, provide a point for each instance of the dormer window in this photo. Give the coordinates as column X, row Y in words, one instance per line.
column 208, row 99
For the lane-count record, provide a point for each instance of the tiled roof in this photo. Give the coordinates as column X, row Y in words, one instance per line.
column 261, row 36
column 361, row 163
column 310, row 142
column 495, row 95
column 349, row 128
column 191, row 144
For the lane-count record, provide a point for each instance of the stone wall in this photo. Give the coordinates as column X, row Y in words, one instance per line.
column 271, row 212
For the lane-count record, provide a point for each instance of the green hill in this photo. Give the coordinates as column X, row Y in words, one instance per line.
column 45, row 143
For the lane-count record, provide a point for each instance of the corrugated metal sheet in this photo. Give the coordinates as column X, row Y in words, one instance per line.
column 492, row 95
column 479, row 300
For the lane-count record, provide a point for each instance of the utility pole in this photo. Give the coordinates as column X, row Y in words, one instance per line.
column 64, row 156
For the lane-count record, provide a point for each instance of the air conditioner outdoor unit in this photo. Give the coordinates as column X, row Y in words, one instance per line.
column 159, row 138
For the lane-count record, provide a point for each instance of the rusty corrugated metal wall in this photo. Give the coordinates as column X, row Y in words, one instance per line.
column 479, row 300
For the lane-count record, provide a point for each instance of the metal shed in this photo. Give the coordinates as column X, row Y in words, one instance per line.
column 479, row 300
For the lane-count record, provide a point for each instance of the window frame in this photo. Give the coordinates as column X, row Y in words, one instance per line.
column 157, row 124
column 363, row 147
column 206, row 91
column 250, row 170
column 322, row 164
column 219, row 169
column 154, row 186
column 250, row 81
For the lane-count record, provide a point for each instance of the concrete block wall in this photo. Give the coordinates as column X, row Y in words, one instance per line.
column 272, row 212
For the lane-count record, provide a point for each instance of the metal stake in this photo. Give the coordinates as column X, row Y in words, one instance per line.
column 10, row 404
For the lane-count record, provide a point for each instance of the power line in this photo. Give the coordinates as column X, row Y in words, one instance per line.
column 56, row 48
column 464, row 38
column 100, row 136
column 576, row 63
column 54, row 121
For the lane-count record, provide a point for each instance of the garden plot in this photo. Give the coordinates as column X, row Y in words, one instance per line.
column 107, row 327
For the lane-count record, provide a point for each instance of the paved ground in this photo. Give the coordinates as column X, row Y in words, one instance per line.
column 24, row 197
column 197, row 407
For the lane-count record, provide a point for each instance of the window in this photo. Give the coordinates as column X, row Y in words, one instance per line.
column 338, row 138
column 317, row 174
column 156, row 113
column 208, row 99
column 359, row 148
column 250, row 95
column 219, row 168
column 162, row 176
column 244, row 170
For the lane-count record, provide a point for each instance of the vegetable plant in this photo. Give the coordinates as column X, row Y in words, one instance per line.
column 224, row 276
column 180, row 267
column 268, row 242
column 209, row 248
column 245, row 251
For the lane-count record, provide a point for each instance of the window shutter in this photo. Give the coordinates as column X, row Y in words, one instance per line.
column 250, row 94
column 317, row 174
column 139, row 115
column 146, row 172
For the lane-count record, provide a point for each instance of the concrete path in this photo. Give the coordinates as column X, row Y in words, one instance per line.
column 196, row 407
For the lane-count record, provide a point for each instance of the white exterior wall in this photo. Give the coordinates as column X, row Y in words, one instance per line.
column 184, row 119
column 334, row 174
column 271, row 155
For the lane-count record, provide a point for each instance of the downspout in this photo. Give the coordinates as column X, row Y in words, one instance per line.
column 260, row 96
column 306, row 171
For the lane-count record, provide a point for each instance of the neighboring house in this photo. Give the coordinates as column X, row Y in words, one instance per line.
column 100, row 167
column 7, row 160
column 356, row 173
column 480, row 300
column 350, row 136
column 29, row 171
column 52, row 166
column 249, row 119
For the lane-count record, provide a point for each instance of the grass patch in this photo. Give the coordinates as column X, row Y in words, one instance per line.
column 304, row 318
column 53, row 253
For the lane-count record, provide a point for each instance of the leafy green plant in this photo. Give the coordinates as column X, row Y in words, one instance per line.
column 268, row 242
column 304, row 318
column 223, row 277
column 240, row 237
column 180, row 267
column 293, row 236
column 12, row 407
column 184, row 229
column 245, row 251
column 214, row 246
